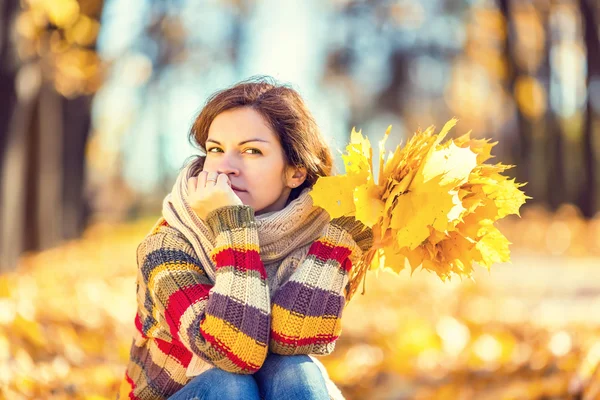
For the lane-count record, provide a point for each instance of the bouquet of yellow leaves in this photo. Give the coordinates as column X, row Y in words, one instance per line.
column 434, row 204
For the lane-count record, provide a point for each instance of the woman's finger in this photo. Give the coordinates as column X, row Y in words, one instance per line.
column 212, row 177
column 201, row 179
column 191, row 184
column 223, row 180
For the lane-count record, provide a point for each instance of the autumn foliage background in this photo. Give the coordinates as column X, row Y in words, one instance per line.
column 96, row 100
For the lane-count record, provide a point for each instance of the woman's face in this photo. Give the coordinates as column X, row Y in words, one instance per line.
column 242, row 145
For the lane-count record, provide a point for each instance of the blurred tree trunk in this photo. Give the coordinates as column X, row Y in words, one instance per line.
column 43, row 172
column 16, row 210
column 588, row 189
column 389, row 98
column 12, row 163
column 8, row 9
column 522, row 145
column 553, row 140
column 41, row 158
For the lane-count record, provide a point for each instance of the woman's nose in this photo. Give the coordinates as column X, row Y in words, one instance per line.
column 227, row 165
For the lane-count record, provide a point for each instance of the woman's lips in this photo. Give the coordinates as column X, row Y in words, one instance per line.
column 237, row 189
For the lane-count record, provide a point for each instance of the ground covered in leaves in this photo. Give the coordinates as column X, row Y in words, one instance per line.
column 522, row 331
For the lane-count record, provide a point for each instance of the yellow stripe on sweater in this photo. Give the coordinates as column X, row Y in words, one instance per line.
column 289, row 324
column 237, row 342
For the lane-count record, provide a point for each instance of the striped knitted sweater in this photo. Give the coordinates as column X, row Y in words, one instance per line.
column 232, row 324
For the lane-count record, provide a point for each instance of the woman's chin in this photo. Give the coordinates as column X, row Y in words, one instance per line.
column 243, row 195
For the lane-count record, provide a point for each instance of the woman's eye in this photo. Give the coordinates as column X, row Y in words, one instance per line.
column 218, row 150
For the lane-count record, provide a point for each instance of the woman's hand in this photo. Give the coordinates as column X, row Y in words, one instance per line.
column 209, row 191
column 362, row 235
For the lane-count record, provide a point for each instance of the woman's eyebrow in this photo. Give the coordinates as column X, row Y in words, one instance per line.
column 240, row 143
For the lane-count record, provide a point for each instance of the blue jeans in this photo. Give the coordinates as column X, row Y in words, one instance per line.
column 280, row 378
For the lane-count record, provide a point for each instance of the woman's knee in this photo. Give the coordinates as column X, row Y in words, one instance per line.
column 217, row 384
column 293, row 364
column 293, row 377
column 227, row 385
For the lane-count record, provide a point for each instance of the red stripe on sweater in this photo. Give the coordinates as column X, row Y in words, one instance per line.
column 323, row 339
column 180, row 301
column 325, row 251
column 347, row 265
column 229, row 354
column 177, row 351
column 244, row 260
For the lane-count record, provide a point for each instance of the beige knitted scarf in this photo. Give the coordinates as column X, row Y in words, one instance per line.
column 284, row 236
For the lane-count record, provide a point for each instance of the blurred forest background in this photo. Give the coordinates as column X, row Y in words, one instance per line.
column 96, row 100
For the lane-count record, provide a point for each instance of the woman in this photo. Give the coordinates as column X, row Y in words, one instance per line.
column 243, row 279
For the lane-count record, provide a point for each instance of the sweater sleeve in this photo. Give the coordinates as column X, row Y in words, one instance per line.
column 226, row 324
column 307, row 309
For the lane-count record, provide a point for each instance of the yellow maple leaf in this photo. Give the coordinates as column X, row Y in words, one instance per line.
column 492, row 247
column 358, row 159
column 473, row 199
column 335, row 194
column 412, row 219
column 453, row 163
column 456, row 249
column 482, row 147
column 369, row 206
column 432, row 147
column 390, row 258
column 415, row 256
column 441, row 269
column 436, row 236
column 509, row 198
column 472, row 222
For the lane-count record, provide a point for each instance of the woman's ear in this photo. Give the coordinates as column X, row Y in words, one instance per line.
column 295, row 176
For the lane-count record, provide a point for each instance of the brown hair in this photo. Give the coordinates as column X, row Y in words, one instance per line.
column 286, row 113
